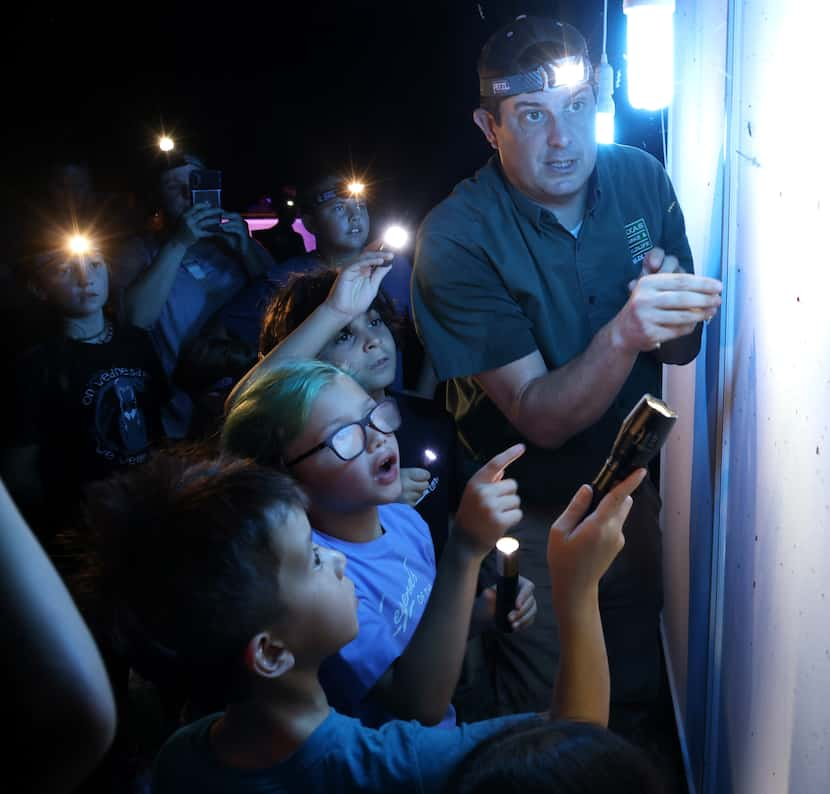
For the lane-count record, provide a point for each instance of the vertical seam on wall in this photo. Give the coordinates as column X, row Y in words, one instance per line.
column 724, row 402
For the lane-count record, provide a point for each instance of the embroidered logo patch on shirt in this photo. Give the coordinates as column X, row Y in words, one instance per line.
column 639, row 240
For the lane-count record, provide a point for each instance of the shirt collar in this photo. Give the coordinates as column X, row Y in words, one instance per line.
column 536, row 213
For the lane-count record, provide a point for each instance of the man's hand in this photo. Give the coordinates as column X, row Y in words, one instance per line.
column 414, row 482
column 662, row 307
column 357, row 285
column 489, row 505
column 580, row 552
column 656, row 261
column 234, row 229
column 196, row 222
column 521, row 617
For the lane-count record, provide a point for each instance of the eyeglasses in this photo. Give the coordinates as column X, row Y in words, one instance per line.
column 349, row 441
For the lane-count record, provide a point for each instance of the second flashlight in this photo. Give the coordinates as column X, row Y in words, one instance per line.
column 507, row 589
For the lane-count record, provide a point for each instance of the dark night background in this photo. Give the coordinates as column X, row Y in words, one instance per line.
column 261, row 89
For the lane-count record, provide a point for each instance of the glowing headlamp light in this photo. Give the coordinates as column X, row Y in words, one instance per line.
column 568, row 71
column 79, row 244
column 166, row 143
column 349, row 190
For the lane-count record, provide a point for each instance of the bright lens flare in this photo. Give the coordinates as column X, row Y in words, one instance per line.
column 569, row 72
column 356, row 188
column 166, row 143
column 507, row 545
column 79, row 244
column 396, row 237
column 430, row 456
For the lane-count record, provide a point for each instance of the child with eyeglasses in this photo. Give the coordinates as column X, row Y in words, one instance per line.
column 338, row 442
column 345, row 318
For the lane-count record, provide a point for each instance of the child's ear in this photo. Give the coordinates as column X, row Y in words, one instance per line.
column 267, row 656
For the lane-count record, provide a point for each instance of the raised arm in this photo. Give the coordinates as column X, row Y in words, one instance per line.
column 145, row 297
column 54, row 671
column 579, row 553
column 351, row 294
column 489, row 507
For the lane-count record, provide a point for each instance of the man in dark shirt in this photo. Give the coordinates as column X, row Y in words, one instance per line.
column 548, row 290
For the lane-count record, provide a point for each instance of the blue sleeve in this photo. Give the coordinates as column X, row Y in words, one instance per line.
column 437, row 752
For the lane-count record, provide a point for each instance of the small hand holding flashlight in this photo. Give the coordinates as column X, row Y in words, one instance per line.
column 583, row 544
column 357, row 285
column 642, row 434
column 414, row 483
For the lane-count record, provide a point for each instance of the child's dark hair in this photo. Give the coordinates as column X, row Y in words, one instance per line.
column 208, row 360
column 181, row 563
column 555, row 757
column 303, row 293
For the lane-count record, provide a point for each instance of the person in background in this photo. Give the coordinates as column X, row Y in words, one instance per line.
column 175, row 280
column 338, row 217
column 88, row 401
column 286, row 604
column 549, row 290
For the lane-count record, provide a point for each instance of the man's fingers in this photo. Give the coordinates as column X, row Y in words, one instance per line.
column 688, row 282
column 653, row 260
column 494, row 468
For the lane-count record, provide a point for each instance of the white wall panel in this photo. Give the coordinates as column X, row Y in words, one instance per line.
column 769, row 722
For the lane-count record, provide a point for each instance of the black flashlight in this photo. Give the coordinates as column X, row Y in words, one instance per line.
column 507, row 588
column 641, row 435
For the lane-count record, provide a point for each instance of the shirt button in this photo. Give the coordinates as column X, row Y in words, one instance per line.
column 592, row 299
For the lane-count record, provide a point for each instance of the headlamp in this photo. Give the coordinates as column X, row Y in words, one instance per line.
column 78, row 244
column 345, row 189
column 568, row 71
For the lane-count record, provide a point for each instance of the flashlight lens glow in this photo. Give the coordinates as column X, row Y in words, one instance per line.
column 396, row 237
column 507, row 545
column 430, row 456
column 356, row 188
column 166, row 144
column 289, row 203
column 78, row 244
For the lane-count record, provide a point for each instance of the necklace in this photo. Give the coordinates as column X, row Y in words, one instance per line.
column 99, row 337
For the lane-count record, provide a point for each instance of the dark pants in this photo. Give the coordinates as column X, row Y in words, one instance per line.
column 519, row 669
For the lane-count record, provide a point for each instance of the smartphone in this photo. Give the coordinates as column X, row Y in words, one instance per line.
column 206, row 187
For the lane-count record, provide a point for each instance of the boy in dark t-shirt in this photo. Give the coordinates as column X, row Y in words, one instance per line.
column 88, row 400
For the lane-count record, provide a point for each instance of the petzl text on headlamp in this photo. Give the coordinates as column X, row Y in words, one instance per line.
column 570, row 70
column 641, row 435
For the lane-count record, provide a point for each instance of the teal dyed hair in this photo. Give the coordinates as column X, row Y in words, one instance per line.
column 274, row 410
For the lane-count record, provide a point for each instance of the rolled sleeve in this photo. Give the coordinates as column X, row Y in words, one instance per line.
column 466, row 318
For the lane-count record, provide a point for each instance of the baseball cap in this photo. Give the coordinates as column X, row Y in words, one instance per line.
column 532, row 54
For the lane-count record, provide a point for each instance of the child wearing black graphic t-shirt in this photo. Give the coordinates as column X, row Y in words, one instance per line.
column 88, row 401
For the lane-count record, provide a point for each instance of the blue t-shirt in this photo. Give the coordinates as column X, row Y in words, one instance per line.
column 341, row 755
column 393, row 577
